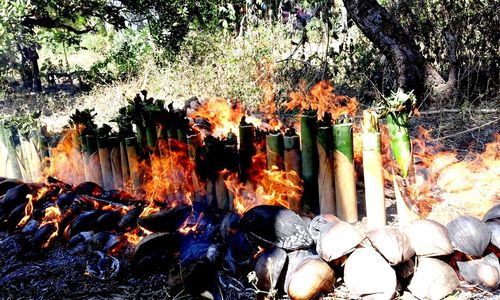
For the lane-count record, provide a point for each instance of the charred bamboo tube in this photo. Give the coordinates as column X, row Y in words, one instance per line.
column 181, row 135
column 373, row 172
column 151, row 136
column 105, row 162
column 133, row 163
column 193, row 143
column 231, row 162
column 124, row 165
column 247, row 147
column 293, row 164
column 94, row 163
column 326, row 180
column 345, row 179
column 399, row 134
column 116, row 163
column 275, row 150
column 309, row 161
column 141, row 140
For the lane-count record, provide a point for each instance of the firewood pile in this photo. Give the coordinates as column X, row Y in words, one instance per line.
column 230, row 206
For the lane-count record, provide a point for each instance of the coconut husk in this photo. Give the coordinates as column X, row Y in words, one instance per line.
column 428, row 238
column 338, row 239
column 368, row 275
column 269, row 268
column 392, row 243
column 492, row 214
column 469, row 235
column 433, row 279
column 311, row 277
column 317, row 224
column 483, row 271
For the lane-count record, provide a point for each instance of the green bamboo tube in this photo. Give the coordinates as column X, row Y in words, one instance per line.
column 141, row 139
column 275, row 150
column 399, row 134
column 308, row 131
column 25, row 163
column 151, row 136
column 292, row 157
column 124, row 165
column 105, row 161
column 326, row 180
column 133, row 163
column 14, row 170
column 373, row 172
column 345, row 178
column 181, row 135
column 247, row 148
column 115, row 160
column 94, row 163
column 35, row 160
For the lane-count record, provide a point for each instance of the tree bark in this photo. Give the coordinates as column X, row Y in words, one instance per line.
column 412, row 70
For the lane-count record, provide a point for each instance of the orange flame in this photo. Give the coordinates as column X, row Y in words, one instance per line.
column 52, row 216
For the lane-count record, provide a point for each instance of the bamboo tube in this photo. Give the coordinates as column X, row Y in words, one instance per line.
column 13, row 168
column 43, row 148
column 405, row 214
column 292, row 157
column 25, row 158
column 373, row 172
column 247, row 147
column 94, row 163
column 193, row 143
column 85, row 158
column 4, row 153
column 399, row 134
column 105, row 161
column 309, row 161
column 124, row 165
column 116, row 164
column 141, row 140
column 35, row 160
column 231, row 162
column 326, row 181
column 345, row 178
column 275, row 150
column 181, row 135
column 151, row 138
column 133, row 163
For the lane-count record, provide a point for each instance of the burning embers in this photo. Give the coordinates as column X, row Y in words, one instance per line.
column 210, row 192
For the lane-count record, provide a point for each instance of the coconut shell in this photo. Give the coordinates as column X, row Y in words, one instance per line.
column 269, row 267
column 495, row 232
column 483, row 271
column 469, row 235
column 318, row 223
column 392, row 243
column 368, row 275
column 433, row 279
column 154, row 252
column 492, row 214
column 338, row 239
column 309, row 278
column 7, row 185
column 14, row 197
column 276, row 225
column 166, row 220
column 428, row 238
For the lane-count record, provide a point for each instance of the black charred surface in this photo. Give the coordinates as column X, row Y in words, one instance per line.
column 166, row 220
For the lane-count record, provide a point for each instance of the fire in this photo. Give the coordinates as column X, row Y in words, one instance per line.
column 321, row 97
column 29, row 206
column 52, row 216
column 273, row 187
column 223, row 117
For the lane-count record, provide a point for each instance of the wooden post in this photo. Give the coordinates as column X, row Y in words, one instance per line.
column 345, row 178
column 308, row 131
column 326, row 181
column 373, row 172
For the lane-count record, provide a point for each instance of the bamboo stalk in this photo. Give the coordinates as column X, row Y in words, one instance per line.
column 116, row 164
column 105, row 162
column 308, row 131
column 14, row 170
column 182, row 135
column 345, row 178
column 4, row 153
column 193, row 143
column 124, row 165
column 373, row 172
column 399, row 134
column 275, row 150
column 151, row 136
column 141, row 139
column 35, row 160
column 292, row 157
column 43, row 148
column 94, row 163
column 247, row 147
column 85, row 158
column 133, row 163
column 25, row 158
column 326, row 181
column 405, row 214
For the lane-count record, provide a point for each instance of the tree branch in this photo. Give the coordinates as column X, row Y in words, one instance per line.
column 50, row 23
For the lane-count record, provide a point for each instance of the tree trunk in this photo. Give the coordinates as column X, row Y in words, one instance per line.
column 412, row 71
column 32, row 72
